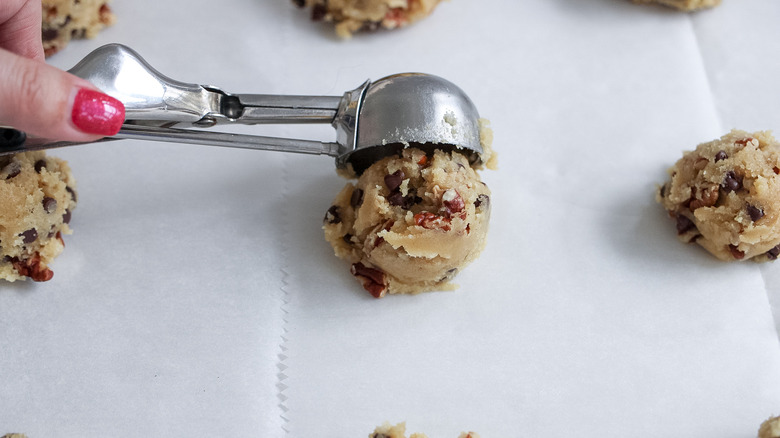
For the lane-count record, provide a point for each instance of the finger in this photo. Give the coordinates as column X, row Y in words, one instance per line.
column 20, row 27
column 50, row 103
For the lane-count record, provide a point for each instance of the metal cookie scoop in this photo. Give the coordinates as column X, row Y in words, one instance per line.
column 372, row 121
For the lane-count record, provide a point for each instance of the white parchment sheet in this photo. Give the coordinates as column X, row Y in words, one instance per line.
column 197, row 295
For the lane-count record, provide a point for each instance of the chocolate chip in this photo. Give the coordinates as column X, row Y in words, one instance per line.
column 484, row 199
column 370, row 26
column 347, row 238
column 405, row 202
column 332, row 216
column 773, row 253
column 396, row 198
column 318, row 12
column 393, row 181
column 299, row 3
column 29, row 236
column 449, row 274
column 754, row 212
column 722, row 155
column 684, row 224
column 357, row 198
column 49, row 204
column 66, row 217
column 662, row 191
column 72, row 193
column 40, row 165
column 49, row 34
column 12, row 169
column 731, row 182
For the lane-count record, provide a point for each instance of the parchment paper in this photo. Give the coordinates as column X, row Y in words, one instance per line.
column 198, row 297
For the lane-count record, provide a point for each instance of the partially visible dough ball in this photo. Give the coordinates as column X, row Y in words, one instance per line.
column 411, row 222
column 725, row 196
column 684, row 5
column 38, row 196
column 399, row 431
column 352, row 16
column 63, row 20
column 770, row 428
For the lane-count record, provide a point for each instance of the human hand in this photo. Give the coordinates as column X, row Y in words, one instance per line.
column 40, row 99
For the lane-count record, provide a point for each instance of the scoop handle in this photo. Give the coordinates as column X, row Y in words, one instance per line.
column 13, row 141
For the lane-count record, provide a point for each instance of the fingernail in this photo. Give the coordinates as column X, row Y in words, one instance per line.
column 97, row 113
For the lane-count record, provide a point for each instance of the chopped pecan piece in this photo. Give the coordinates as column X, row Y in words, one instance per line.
column 32, row 268
column 736, row 253
column 706, row 197
column 432, row 221
column 745, row 141
column 374, row 280
column 453, row 203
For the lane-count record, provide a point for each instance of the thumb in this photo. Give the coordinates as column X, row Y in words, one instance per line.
column 50, row 103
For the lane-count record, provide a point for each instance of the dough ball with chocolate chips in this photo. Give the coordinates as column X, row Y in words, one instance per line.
column 684, row 5
column 63, row 20
column 38, row 195
column 411, row 222
column 725, row 196
column 399, row 431
column 770, row 428
column 352, row 16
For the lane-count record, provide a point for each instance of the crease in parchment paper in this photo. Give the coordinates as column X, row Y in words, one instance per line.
column 707, row 74
column 281, row 365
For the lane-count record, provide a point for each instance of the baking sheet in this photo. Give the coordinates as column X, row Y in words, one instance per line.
column 197, row 295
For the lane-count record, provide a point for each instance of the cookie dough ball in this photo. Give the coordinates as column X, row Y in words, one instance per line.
column 38, row 194
column 411, row 222
column 399, row 431
column 64, row 20
column 684, row 5
column 770, row 428
column 351, row 16
column 725, row 196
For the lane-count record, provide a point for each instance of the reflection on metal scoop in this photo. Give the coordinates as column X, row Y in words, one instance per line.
column 372, row 121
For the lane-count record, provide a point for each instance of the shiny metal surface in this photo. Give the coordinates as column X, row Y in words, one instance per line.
column 372, row 121
column 415, row 109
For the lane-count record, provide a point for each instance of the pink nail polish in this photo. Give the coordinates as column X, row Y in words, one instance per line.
column 97, row 113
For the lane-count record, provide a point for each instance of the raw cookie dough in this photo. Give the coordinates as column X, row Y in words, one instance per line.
column 399, row 431
column 725, row 196
column 411, row 222
column 352, row 16
column 38, row 196
column 64, row 20
column 684, row 5
column 770, row 428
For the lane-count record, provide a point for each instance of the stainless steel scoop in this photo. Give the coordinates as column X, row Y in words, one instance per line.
column 372, row 121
